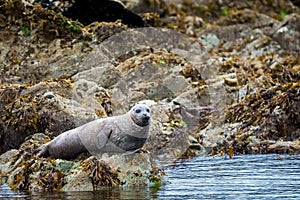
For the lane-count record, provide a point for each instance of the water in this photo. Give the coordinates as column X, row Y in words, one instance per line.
column 243, row 177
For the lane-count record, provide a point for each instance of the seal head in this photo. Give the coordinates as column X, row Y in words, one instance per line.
column 140, row 114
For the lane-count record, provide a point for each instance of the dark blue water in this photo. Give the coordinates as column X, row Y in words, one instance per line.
column 243, row 177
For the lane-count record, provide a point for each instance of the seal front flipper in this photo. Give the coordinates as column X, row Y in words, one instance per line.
column 95, row 136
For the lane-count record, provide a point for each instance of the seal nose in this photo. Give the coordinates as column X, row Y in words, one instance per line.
column 146, row 116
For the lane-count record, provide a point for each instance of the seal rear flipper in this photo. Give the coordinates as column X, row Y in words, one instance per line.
column 44, row 152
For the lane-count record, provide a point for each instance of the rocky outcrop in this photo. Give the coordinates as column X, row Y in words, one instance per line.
column 22, row 170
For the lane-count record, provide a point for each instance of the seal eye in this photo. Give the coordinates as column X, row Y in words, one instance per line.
column 138, row 110
column 147, row 110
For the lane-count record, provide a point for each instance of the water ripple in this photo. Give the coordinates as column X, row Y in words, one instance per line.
column 243, row 177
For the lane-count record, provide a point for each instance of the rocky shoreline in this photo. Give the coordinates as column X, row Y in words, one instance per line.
column 221, row 79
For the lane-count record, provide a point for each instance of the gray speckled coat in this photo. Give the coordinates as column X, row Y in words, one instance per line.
column 116, row 134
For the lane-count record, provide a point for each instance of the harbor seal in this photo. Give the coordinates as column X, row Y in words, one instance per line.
column 125, row 133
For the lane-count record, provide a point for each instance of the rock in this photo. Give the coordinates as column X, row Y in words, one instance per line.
column 176, row 84
column 259, row 46
column 158, row 92
column 212, row 137
column 209, row 41
column 77, row 180
column 25, row 171
column 6, row 160
column 44, row 107
column 65, row 166
column 287, row 33
column 254, row 139
column 284, row 147
column 120, row 170
column 135, row 170
column 104, row 76
column 123, row 95
column 194, row 97
column 64, row 62
column 168, row 139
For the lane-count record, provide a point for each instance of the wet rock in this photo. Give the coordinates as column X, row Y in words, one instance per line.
column 252, row 133
column 25, row 172
column 110, row 171
column 77, row 180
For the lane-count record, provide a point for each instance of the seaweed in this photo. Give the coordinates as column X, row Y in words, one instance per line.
column 100, row 173
column 24, row 175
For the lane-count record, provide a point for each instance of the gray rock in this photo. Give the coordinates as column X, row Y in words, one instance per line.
column 287, row 33
column 176, row 84
column 209, row 41
column 104, row 76
column 158, row 92
column 260, row 45
column 77, row 180
column 6, row 160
